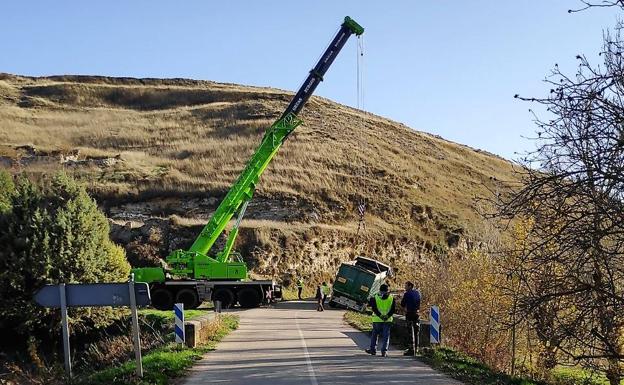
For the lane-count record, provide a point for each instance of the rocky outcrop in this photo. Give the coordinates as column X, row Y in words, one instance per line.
column 283, row 252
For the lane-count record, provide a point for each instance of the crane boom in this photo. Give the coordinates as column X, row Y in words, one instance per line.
column 195, row 262
column 243, row 189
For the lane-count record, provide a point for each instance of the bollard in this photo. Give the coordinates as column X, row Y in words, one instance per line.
column 434, row 329
column 217, row 307
column 178, row 310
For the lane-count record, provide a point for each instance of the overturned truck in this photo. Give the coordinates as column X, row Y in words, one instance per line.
column 357, row 281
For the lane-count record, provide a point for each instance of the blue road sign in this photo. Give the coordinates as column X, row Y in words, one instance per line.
column 93, row 294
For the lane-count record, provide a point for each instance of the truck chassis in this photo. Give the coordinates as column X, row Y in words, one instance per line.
column 192, row 293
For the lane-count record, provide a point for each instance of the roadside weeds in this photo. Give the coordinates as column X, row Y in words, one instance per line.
column 162, row 364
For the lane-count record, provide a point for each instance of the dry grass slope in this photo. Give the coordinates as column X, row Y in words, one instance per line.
column 178, row 138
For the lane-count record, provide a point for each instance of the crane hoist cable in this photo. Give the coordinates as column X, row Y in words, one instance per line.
column 361, row 171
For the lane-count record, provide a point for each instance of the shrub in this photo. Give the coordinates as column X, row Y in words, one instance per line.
column 53, row 233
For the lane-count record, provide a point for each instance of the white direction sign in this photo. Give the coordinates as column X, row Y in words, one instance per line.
column 93, row 294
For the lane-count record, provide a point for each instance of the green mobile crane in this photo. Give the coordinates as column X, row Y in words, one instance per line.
column 192, row 275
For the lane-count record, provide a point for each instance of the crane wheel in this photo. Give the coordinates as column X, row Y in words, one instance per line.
column 162, row 299
column 249, row 297
column 225, row 296
column 189, row 298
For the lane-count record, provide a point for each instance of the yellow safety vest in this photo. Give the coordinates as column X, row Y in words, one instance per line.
column 383, row 305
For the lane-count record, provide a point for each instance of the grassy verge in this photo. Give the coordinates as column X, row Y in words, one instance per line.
column 469, row 370
column 359, row 321
column 162, row 364
column 167, row 315
column 578, row 376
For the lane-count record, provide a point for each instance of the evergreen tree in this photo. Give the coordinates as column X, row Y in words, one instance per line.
column 7, row 188
column 54, row 233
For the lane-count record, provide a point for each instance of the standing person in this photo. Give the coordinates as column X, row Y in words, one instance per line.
column 269, row 297
column 299, row 286
column 326, row 291
column 319, row 299
column 411, row 303
column 383, row 308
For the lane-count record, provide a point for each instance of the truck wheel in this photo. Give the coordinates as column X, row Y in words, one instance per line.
column 189, row 298
column 162, row 299
column 249, row 297
column 225, row 296
column 332, row 304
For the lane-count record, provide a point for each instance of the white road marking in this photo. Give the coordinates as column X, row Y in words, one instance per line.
column 305, row 352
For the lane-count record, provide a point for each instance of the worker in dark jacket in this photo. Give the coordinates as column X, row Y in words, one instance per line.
column 383, row 308
column 319, row 299
column 411, row 304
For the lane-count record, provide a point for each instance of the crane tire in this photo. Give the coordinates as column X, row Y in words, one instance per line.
column 162, row 299
column 189, row 298
column 249, row 297
column 225, row 296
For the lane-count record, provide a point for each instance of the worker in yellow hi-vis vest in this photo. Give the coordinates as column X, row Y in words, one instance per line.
column 326, row 291
column 383, row 308
column 299, row 286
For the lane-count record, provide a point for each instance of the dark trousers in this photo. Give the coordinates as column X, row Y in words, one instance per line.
column 319, row 304
column 413, row 326
column 382, row 330
column 299, row 289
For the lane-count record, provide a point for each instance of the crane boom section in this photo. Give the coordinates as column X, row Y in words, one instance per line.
column 243, row 188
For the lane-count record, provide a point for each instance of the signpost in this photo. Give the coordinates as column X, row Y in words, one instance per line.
column 64, row 327
column 62, row 296
column 136, row 339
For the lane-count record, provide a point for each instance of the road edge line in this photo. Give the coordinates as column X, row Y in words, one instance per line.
column 306, row 353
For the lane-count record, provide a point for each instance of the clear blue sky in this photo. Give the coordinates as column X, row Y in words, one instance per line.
column 446, row 67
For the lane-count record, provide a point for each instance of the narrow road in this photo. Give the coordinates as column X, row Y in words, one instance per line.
column 294, row 344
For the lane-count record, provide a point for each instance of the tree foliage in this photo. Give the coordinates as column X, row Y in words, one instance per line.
column 53, row 233
column 7, row 188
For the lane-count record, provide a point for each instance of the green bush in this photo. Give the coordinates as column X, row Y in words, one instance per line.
column 51, row 233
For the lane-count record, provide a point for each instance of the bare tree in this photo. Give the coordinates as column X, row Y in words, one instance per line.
column 570, row 258
column 600, row 4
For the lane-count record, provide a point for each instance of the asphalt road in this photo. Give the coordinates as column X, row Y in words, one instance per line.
column 292, row 343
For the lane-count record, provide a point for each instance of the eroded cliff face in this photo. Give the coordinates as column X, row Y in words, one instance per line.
column 282, row 251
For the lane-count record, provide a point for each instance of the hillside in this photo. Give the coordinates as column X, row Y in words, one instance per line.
column 159, row 154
